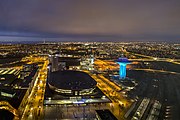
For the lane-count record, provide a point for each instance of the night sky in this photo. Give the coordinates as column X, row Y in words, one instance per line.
column 90, row 20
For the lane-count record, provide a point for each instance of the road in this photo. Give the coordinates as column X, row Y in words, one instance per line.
column 34, row 108
column 153, row 70
column 119, row 103
column 151, row 58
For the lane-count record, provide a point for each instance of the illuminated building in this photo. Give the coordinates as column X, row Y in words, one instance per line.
column 92, row 59
column 72, row 87
column 87, row 63
column 122, row 61
column 71, row 83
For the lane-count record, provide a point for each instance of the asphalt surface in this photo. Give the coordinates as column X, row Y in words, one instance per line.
column 158, row 86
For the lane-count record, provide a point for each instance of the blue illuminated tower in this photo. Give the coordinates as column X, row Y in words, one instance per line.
column 122, row 61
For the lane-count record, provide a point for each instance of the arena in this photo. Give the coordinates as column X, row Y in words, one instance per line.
column 72, row 83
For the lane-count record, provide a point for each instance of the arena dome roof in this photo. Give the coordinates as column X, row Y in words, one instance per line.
column 71, row 80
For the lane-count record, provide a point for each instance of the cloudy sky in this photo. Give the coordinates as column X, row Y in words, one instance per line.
column 90, row 20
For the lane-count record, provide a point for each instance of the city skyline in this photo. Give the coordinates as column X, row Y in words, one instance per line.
column 90, row 20
column 78, row 80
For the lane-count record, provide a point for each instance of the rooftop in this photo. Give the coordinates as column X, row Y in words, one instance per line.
column 8, row 75
column 74, row 80
column 122, row 60
column 105, row 115
column 4, row 71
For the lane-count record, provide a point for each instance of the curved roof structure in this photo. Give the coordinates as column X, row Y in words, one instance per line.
column 123, row 60
column 71, row 80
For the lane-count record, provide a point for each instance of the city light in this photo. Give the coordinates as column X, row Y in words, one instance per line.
column 87, row 78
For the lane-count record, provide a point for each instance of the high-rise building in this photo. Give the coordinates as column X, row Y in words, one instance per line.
column 54, row 60
column 55, row 66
